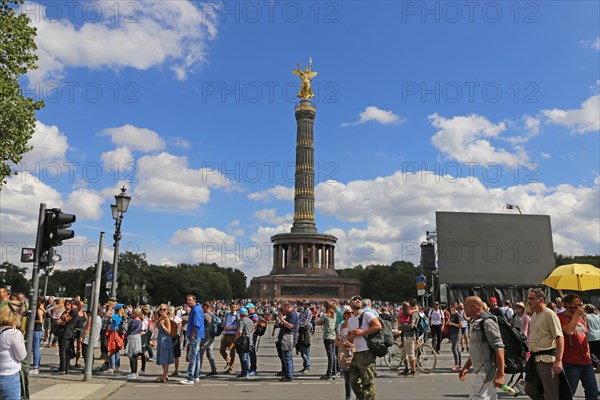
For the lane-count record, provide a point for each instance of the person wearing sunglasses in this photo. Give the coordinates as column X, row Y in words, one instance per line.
column 577, row 360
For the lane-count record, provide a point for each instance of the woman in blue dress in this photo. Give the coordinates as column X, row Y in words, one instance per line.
column 164, row 343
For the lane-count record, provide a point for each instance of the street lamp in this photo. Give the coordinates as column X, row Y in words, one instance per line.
column 122, row 203
column 512, row 206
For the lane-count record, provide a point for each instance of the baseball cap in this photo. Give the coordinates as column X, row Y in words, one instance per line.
column 244, row 311
column 118, row 306
column 250, row 305
column 493, row 300
column 354, row 298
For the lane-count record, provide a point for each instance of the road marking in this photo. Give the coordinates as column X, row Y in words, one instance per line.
column 71, row 391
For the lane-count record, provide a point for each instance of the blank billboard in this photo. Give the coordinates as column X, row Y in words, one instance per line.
column 503, row 249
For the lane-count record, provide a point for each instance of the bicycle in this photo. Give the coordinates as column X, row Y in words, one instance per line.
column 426, row 356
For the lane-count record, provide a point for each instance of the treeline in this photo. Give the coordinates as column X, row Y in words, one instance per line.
column 395, row 283
column 138, row 281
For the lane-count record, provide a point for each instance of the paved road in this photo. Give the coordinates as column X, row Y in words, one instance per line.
column 441, row 384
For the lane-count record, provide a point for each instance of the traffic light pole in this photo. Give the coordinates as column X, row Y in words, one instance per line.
column 89, row 357
column 35, row 283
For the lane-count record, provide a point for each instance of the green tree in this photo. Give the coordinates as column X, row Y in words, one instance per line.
column 14, row 277
column 17, row 112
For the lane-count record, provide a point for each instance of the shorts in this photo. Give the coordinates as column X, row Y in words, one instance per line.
column 464, row 330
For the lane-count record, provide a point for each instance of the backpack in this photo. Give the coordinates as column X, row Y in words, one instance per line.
column 379, row 342
column 261, row 327
column 515, row 346
column 216, row 326
column 422, row 325
column 122, row 329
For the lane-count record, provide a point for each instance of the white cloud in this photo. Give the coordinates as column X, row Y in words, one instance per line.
column 270, row 215
column 582, row 120
column 196, row 236
column 278, row 193
column 373, row 113
column 210, row 245
column 135, row 138
column 117, row 159
column 399, row 208
column 145, row 35
column 545, row 155
column 593, row 44
column 532, row 124
column 20, row 202
column 86, row 204
column 49, row 144
column 467, row 139
column 166, row 181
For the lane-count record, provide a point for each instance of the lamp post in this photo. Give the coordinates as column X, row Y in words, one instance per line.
column 122, row 203
column 512, row 206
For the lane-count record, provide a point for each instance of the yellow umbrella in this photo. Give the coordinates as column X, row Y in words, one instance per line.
column 578, row 277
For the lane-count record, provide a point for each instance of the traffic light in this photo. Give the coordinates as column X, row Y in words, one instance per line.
column 428, row 256
column 55, row 228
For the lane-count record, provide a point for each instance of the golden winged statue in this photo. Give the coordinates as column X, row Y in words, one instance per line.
column 306, row 91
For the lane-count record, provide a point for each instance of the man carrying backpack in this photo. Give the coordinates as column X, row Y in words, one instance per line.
column 253, row 316
column 195, row 334
column 206, row 345
column 486, row 353
column 362, row 368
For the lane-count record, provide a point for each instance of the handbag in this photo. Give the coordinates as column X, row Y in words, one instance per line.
column 344, row 357
column 287, row 342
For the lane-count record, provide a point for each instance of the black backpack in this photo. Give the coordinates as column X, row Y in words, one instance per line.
column 515, row 346
column 379, row 342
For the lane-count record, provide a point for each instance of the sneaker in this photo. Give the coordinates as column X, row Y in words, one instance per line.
column 142, row 373
column 110, row 371
column 131, row 377
column 306, row 371
column 285, row 379
column 175, row 374
column 455, row 368
column 196, row 379
column 152, row 359
column 252, row 373
column 244, row 376
column 34, row 371
column 186, row 382
column 212, row 373
column 405, row 372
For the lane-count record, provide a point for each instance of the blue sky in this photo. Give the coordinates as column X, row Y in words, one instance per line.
column 421, row 106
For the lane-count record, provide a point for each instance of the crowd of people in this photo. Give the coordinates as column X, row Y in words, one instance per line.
column 563, row 339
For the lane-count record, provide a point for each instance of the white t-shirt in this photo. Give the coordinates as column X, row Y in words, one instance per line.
column 436, row 317
column 359, row 341
column 86, row 338
column 12, row 351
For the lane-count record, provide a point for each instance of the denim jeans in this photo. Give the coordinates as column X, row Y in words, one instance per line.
column 331, row 356
column 193, row 370
column 115, row 360
column 585, row 374
column 347, row 386
column 10, row 387
column 206, row 346
column 289, row 363
column 37, row 338
column 245, row 362
column 305, row 354
column 253, row 366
